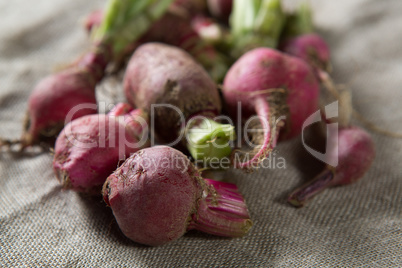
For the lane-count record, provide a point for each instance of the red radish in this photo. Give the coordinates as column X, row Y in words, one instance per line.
column 157, row 195
column 163, row 75
column 220, row 9
column 355, row 153
column 55, row 96
column 90, row 148
column 270, row 84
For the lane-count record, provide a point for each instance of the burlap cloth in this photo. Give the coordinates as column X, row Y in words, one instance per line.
column 354, row 226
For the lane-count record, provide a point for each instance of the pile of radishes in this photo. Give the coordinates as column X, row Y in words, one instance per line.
column 187, row 64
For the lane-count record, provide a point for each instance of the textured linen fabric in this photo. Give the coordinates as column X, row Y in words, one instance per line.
column 353, row 226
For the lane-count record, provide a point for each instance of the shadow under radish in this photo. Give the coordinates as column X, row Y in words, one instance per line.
column 306, row 163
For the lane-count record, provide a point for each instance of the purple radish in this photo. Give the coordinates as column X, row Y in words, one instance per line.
column 91, row 147
column 355, row 154
column 157, row 195
column 57, row 95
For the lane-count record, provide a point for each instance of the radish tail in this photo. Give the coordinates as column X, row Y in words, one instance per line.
column 300, row 196
column 269, row 139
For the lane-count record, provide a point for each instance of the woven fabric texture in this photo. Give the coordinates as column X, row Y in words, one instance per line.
column 354, row 226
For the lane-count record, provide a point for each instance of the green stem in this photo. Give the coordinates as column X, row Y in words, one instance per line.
column 126, row 20
column 300, row 22
column 208, row 140
column 256, row 23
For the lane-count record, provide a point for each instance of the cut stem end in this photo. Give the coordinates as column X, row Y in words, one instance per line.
column 222, row 212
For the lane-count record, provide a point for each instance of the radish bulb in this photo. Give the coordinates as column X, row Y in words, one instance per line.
column 91, row 147
column 355, row 153
column 169, row 84
column 157, row 195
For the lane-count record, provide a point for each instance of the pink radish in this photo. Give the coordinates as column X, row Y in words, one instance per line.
column 167, row 76
column 90, row 148
column 157, row 195
column 270, row 84
column 55, row 96
column 355, row 151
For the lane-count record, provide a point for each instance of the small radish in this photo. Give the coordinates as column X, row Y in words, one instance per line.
column 57, row 95
column 90, row 148
column 270, row 84
column 166, row 82
column 157, row 195
column 355, row 153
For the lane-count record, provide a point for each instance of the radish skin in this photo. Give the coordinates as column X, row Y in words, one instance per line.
column 220, row 9
column 162, row 75
column 55, row 96
column 157, row 195
column 90, row 148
